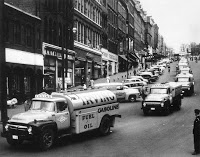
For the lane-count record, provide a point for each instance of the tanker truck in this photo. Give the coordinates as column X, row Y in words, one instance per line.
column 59, row 114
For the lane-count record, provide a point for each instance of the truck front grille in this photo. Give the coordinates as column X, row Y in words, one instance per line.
column 18, row 129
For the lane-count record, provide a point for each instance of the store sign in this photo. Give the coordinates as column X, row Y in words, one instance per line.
column 109, row 56
column 51, row 52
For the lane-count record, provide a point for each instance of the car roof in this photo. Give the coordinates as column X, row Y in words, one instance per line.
column 108, row 84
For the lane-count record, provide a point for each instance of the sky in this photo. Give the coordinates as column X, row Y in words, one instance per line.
column 178, row 20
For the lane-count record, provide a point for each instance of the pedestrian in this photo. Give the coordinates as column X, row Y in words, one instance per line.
column 196, row 132
column 169, row 68
column 27, row 104
column 108, row 79
column 92, row 83
column 84, row 87
column 143, row 92
column 134, row 72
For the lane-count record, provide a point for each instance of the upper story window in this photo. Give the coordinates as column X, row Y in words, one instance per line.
column 17, row 33
column 28, row 35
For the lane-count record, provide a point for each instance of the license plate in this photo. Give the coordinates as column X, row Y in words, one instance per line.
column 152, row 108
column 15, row 137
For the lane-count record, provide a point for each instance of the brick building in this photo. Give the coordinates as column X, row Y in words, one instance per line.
column 38, row 46
column 24, row 59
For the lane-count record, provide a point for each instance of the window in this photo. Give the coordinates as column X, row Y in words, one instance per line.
column 50, row 30
column 6, row 30
column 85, row 7
column 60, row 34
column 61, row 106
column 38, row 40
column 54, row 33
column 94, row 12
column 23, row 35
column 28, row 36
column 82, row 5
column 17, row 33
column 45, row 29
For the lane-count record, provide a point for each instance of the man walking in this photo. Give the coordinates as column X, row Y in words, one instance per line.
column 196, row 132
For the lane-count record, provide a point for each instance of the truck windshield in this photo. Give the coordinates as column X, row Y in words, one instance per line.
column 183, row 79
column 43, row 105
column 158, row 91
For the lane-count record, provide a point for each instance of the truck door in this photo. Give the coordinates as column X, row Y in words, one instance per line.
column 62, row 116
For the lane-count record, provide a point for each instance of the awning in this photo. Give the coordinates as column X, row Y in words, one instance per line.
column 124, row 58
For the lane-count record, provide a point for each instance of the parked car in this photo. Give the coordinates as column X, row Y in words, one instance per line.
column 122, row 92
column 139, row 77
column 137, row 80
column 135, row 85
column 149, row 76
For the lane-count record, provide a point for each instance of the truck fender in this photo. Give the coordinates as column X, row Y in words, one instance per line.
column 112, row 119
column 52, row 125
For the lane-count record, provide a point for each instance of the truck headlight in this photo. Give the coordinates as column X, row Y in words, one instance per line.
column 30, row 130
column 144, row 104
column 188, row 88
column 162, row 104
column 6, row 127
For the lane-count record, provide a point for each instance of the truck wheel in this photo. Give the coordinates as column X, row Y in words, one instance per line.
column 132, row 98
column 167, row 111
column 13, row 142
column 46, row 139
column 192, row 90
column 104, row 127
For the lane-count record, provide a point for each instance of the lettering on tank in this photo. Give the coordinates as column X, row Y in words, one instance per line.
column 96, row 98
column 108, row 108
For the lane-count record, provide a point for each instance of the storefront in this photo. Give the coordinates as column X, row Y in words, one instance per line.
column 109, row 63
column 87, row 64
column 55, row 65
column 24, row 74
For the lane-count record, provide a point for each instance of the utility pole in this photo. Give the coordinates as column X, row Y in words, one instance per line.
column 3, row 97
column 127, row 44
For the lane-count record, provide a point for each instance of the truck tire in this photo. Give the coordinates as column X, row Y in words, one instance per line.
column 104, row 127
column 132, row 98
column 145, row 112
column 13, row 142
column 167, row 109
column 192, row 89
column 46, row 139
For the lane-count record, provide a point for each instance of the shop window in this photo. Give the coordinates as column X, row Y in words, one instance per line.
column 16, row 83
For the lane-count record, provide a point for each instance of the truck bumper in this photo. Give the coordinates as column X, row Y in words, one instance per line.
column 15, row 136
